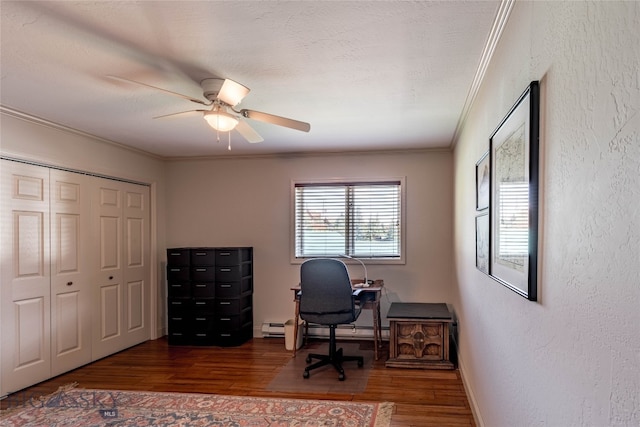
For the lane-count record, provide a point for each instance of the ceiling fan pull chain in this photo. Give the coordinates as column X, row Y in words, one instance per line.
column 229, row 146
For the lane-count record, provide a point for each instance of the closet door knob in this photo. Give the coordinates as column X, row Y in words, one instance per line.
column 69, row 283
column 110, row 277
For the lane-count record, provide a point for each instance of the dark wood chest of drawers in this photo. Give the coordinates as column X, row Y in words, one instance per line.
column 419, row 336
column 210, row 295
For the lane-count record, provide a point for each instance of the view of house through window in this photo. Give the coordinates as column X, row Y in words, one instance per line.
column 359, row 219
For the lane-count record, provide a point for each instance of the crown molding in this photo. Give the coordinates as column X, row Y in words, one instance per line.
column 502, row 16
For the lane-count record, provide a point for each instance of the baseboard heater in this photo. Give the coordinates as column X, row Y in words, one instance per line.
column 276, row 330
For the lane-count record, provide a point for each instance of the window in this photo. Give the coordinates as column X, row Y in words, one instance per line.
column 359, row 219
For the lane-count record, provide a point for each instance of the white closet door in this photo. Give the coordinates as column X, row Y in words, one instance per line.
column 70, row 271
column 136, row 266
column 121, row 294
column 25, row 273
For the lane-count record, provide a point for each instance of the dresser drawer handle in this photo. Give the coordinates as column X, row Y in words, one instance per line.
column 201, row 253
column 225, row 335
column 201, row 286
column 201, row 335
column 175, row 269
column 177, row 334
column 225, row 286
column 200, row 270
column 175, row 253
column 225, row 253
column 176, row 286
column 225, row 319
column 176, row 303
column 200, row 303
column 176, row 318
column 225, row 303
column 226, row 270
column 201, row 318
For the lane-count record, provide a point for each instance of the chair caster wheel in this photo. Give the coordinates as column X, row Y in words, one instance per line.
column 305, row 374
column 341, row 377
column 308, row 360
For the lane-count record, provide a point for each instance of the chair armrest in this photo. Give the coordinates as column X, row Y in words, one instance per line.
column 356, row 292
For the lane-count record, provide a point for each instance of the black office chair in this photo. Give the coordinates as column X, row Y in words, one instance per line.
column 327, row 299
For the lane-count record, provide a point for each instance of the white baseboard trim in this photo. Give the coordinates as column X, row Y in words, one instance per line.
column 475, row 410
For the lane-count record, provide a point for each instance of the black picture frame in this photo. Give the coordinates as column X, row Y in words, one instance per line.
column 483, row 173
column 513, row 199
column 482, row 242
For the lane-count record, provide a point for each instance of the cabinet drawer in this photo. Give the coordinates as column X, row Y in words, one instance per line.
column 203, row 289
column 203, row 338
column 225, row 338
column 234, row 289
column 203, row 274
column 178, row 305
column 179, row 322
column 203, row 323
column 234, row 323
column 178, row 257
column 179, row 338
column 203, row 257
column 178, row 274
column 232, row 306
column 232, row 256
column 232, row 273
column 204, row 306
column 179, row 289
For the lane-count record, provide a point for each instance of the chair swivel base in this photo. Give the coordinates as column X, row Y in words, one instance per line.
column 335, row 361
column 334, row 358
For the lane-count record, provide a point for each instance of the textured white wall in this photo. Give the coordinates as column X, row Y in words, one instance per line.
column 573, row 357
column 247, row 201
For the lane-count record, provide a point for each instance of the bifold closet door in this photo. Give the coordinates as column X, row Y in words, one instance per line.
column 71, row 252
column 25, row 288
column 121, row 288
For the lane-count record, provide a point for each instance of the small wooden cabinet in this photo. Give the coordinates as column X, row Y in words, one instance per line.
column 419, row 336
column 210, row 296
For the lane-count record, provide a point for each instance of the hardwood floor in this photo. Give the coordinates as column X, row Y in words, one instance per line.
column 421, row 397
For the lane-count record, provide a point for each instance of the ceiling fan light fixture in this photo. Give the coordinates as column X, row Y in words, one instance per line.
column 220, row 120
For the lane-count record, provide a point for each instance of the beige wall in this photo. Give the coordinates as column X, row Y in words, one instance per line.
column 573, row 357
column 248, row 202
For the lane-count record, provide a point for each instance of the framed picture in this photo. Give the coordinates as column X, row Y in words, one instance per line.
column 513, row 245
column 482, row 242
column 482, row 182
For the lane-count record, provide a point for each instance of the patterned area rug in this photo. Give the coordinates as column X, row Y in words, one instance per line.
column 84, row 407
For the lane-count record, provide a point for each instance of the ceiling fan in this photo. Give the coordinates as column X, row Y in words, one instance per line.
column 222, row 96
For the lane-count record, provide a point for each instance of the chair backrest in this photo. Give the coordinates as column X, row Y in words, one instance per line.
column 327, row 296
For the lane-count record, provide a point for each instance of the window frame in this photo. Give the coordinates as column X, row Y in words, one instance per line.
column 349, row 181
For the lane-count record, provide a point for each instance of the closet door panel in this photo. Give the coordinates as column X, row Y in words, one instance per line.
column 70, row 272
column 25, row 276
column 108, row 296
column 136, row 268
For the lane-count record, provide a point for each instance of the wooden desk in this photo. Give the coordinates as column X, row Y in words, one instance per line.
column 369, row 299
column 419, row 336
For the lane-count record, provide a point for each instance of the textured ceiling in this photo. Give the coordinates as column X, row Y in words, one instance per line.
column 367, row 75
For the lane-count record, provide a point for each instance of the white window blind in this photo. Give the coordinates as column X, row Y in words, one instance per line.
column 357, row 219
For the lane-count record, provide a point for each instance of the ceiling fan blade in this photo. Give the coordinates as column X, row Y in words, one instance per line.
column 179, row 113
column 232, row 93
column 248, row 132
column 276, row 120
column 199, row 101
